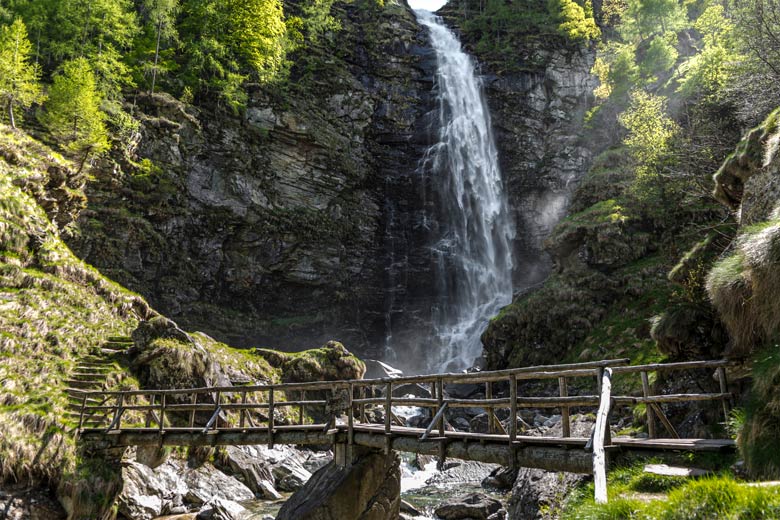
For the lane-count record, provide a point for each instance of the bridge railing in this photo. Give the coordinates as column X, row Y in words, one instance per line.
column 212, row 409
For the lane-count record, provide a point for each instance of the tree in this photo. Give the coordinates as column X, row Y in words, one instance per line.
column 162, row 15
column 19, row 78
column 72, row 113
column 650, row 135
column 660, row 55
column 645, row 18
column 230, row 42
column 574, row 21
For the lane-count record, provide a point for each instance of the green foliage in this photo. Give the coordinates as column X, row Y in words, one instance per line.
column 711, row 70
column 575, row 22
column 243, row 39
column 159, row 31
column 72, row 113
column 19, row 79
column 660, row 56
column 644, row 18
column 759, row 437
column 649, row 139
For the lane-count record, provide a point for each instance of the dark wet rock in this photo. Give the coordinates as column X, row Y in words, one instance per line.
column 500, row 478
column 475, row 506
column 252, row 470
column 409, row 509
column 413, row 389
column 464, row 390
column 380, row 370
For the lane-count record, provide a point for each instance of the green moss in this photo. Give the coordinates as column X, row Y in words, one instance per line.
column 727, row 272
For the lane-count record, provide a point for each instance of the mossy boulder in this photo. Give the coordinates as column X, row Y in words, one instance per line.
column 754, row 152
column 331, row 362
column 164, row 356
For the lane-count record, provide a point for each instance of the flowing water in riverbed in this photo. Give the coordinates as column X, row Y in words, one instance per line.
column 472, row 227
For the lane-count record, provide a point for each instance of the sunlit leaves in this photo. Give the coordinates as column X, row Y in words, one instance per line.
column 19, row 78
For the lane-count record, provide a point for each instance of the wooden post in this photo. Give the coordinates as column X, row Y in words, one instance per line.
column 724, row 389
column 301, row 408
column 271, row 418
column 350, row 425
column 489, row 409
column 192, row 413
column 512, row 409
column 388, row 407
column 600, row 433
column 442, row 432
column 116, row 423
column 162, row 414
column 242, row 413
column 648, row 408
column 148, row 414
column 81, row 415
column 362, row 406
column 563, row 390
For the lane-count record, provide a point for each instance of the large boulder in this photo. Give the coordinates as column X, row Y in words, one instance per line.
column 537, row 490
column 369, row 489
column 474, row 506
column 331, row 362
column 254, row 471
column 173, row 486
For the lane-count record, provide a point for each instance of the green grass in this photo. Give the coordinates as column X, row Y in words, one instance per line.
column 634, row 494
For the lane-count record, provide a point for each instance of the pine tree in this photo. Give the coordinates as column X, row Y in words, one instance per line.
column 162, row 15
column 19, row 84
column 73, row 114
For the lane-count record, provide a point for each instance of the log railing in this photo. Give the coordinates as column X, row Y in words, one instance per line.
column 214, row 409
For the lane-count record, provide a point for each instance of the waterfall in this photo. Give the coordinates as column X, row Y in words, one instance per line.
column 471, row 229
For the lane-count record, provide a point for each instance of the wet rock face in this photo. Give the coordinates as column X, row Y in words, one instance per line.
column 275, row 227
column 538, row 120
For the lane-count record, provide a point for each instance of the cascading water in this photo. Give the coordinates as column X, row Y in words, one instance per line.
column 471, row 227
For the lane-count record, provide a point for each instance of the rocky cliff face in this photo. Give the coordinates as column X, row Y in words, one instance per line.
column 302, row 219
column 282, row 225
column 538, row 116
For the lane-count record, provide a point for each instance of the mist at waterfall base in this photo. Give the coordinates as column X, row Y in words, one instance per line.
column 467, row 217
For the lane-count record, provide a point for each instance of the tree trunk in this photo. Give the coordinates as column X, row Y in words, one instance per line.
column 11, row 113
column 156, row 54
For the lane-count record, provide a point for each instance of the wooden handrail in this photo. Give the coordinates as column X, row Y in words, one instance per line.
column 221, row 401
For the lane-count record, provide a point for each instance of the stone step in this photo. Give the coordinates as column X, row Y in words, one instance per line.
column 124, row 345
column 88, row 376
column 106, row 365
column 120, row 339
column 112, row 351
column 84, row 384
column 98, row 360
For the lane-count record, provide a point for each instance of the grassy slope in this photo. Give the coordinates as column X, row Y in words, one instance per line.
column 53, row 309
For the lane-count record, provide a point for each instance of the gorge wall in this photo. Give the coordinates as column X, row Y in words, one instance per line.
column 302, row 219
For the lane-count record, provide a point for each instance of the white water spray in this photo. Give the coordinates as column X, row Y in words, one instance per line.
column 474, row 231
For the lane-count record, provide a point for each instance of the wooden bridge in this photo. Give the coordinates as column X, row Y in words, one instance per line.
column 241, row 415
